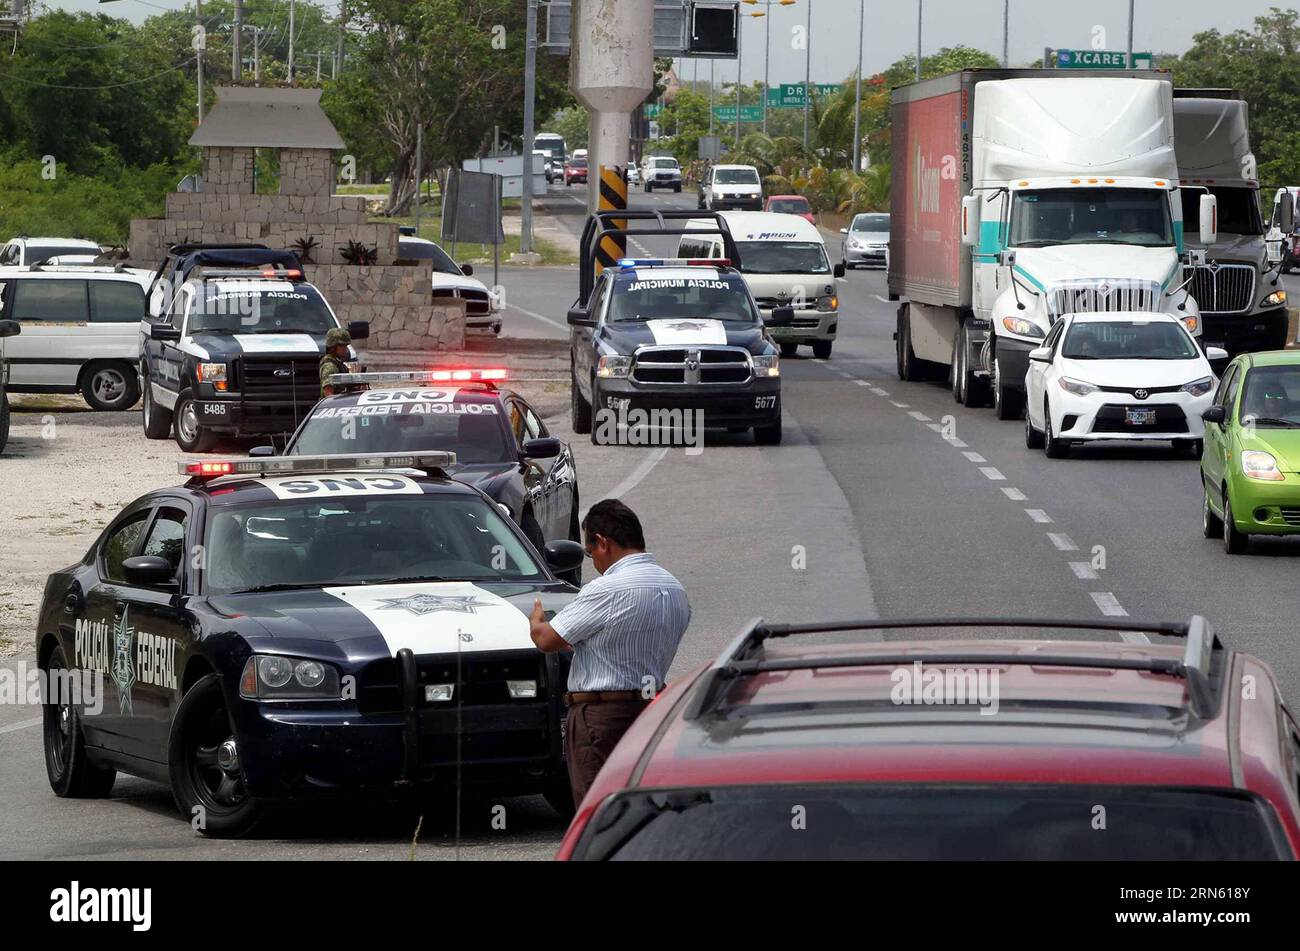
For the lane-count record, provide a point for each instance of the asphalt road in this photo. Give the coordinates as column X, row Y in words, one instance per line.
column 886, row 499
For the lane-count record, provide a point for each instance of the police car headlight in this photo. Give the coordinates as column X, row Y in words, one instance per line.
column 769, row 365
column 212, row 372
column 609, row 367
column 270, row 677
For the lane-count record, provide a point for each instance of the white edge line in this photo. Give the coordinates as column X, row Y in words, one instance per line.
column 20, row 725
column 633, row 478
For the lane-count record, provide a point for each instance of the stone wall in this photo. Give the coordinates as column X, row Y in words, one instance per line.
column 396, row 300
column 228, row 170
column 306, row 172
column 150, row 237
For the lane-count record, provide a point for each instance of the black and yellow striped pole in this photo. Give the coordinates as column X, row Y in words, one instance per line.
column 613, row 197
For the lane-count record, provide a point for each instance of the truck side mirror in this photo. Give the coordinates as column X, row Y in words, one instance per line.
column 9, row 328
column 579, row 318
column 1006, row 258
column 1209, row 219
column 970, row 220
column 1286, row 212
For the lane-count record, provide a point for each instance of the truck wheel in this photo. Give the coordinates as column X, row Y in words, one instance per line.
column 207, row 778
column 968, row 389
column 579, row 409
column 71, row 775
column 109, row 386
column 157, row 420
column 788, row 348
column 597, row 406
column 190, row 436
column 822, row 349
column 677, row 189
column 1007, row 402
column 903, row 354
column 768, row 435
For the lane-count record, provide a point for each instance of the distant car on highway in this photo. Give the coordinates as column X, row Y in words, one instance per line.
column 661, row 171
column 8, row 328
column 960, row 749
column 575, row 170
column 482, row 307
column 501, row 444
column 1250, row 468
column 791, row 205
column 866, row 240
column 1121, row 375
column 24, row 251
column 736, row 187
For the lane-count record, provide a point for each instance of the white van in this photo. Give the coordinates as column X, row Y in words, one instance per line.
column 80, row 331
column 783, row 259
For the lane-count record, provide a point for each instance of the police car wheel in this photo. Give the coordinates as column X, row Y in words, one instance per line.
column 190, row 436
column 597, row 407
column 157, row 420
column 579, row 409
column 768, row 435
column 203, row 762
column 789, row 348
column 109, row 387
column 677, row 189
column 822, row 349
column 71, row 775
column 4, row 422
column 558, row 794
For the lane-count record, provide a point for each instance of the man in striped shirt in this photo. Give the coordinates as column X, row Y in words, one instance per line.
column 623, row 629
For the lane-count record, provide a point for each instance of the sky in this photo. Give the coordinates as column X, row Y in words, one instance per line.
column 890, row 31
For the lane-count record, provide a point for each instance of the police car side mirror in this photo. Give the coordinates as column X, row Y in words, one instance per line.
column 467, row 270
column 160, row 331
column 149, row 570
column 839, row 270
column 544, row 447
column 780, row 317
column 1215, row 414
column 9, row 328
column 578, row 318
column 563, row 555
column 358, row 329
column 261, row 451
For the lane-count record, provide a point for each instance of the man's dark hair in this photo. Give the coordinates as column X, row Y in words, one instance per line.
column 617, row 522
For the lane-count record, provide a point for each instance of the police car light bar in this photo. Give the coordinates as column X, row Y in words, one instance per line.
column 266, row 272
column 674, row 262
column 486, row 375
column 293, row 465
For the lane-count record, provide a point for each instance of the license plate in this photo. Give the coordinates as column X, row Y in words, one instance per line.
column 1139, row 417
column 764, row 402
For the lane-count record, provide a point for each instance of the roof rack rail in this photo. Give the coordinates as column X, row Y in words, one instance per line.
column 1201, row 664
column 601, row 224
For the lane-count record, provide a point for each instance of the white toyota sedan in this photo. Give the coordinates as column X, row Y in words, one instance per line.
column 1127, row 376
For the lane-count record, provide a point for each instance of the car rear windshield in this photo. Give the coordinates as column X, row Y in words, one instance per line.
column 40, row 253
column 918, row 823
column 651, row 298
column 360, row 539
column 250, row 309
column 578, row 162
column 873, row 223
column 782, row 257
column 736, row 176
column 1272, row 397
column 1128, row 340
column 407, row 421
column 789, row 206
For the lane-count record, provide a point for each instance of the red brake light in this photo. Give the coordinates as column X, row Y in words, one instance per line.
column 209, row 470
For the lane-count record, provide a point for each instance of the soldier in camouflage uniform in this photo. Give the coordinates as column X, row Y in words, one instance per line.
column 337, row 344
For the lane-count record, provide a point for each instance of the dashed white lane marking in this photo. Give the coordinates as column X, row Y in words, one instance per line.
column 861, row 382
column 955, row 442
column 899, row 405
column 1039, row 516
column 545, row 320
column 1083, row 571
column 20, row 725
column 992, row 473
column 974, row 456
column 1015, row 495
column 878, row 391
column 1062, row 542
column 1108, row 604
column 920, row 417
column 937, row 427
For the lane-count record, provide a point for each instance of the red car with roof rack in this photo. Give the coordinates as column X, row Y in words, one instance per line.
column 1077, row 749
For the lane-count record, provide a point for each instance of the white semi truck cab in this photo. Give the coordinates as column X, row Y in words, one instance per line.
column 1242, row 301
column 1026, row 195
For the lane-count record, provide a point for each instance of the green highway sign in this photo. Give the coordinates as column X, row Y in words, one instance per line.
column 790, row 95
column 652, row 110
column 1101, row 59
column 747, row 113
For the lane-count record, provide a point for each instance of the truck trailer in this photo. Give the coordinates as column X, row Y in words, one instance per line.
column 1021, row 195
column 1242, row 301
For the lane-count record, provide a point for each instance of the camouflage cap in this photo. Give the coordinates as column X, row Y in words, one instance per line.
column 335, row 336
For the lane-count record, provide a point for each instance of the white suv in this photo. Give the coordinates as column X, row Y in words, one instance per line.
column 727, row 187
column 24, row 251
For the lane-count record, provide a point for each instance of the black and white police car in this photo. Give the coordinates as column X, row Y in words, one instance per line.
column 235, row 349
column 672, row 334
column 281, row 627
column 502, row 446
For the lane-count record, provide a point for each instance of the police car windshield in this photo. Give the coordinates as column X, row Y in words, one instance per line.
column 782, row 257
column 407, row 420
column 359, row 528
column 247, row 308
column 1128, row 340
column 720, row 297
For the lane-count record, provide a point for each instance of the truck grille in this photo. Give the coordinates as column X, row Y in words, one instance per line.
column 1225, row 289
column 678, row 366
column 1102, row 297
column 279, row 378
column 476, row 301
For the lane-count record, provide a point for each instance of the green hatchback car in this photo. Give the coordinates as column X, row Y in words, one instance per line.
column 1250, row 466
